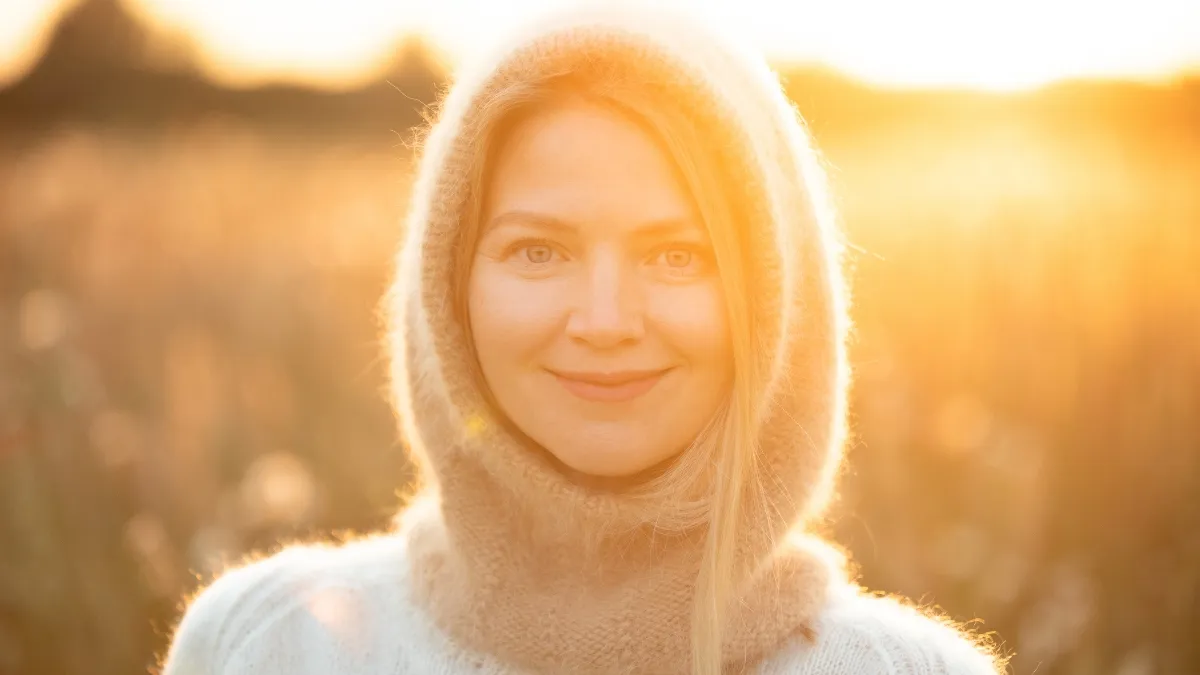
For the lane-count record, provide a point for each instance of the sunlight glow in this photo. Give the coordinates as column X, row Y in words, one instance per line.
column 991, row 45
column 24, row 28
column 1013, row 44
column 330, row 43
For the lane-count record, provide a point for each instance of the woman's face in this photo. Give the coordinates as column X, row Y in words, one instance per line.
column 595, row 305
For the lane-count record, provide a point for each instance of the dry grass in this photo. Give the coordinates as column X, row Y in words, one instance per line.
column 188, row 370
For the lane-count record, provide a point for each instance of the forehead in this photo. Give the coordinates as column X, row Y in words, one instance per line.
column 580, row 162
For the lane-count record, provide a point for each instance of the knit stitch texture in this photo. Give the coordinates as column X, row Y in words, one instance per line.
column 349, row 611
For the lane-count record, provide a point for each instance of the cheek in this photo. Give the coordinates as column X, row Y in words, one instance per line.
column 693, row 320
column 511, row 318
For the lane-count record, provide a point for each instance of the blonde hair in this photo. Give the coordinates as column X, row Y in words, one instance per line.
column 706, row 490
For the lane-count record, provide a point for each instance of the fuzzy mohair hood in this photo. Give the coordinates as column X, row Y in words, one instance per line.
column 514, row 559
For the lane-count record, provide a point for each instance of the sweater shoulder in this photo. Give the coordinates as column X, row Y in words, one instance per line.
column 883, row 635
column 305, row 598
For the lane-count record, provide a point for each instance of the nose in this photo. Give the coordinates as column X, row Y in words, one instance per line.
column 608, row 312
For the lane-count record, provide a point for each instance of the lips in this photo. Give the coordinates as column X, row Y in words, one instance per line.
column 609, row 387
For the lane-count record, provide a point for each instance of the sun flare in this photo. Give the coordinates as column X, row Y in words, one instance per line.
column 926, row 43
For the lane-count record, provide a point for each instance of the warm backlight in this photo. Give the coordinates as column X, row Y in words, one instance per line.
column 991, row 45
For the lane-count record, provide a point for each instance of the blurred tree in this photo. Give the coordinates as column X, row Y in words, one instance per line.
column 96, row 36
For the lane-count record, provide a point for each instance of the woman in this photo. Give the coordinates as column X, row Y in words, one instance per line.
column 618, row 324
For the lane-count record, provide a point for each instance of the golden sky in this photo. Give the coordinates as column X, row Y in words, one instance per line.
column 991, row 44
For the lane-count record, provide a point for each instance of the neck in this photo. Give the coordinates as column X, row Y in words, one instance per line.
column 602, row 593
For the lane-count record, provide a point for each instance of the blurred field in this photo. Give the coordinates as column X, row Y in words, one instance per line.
column 187, row 369
column 189, row 365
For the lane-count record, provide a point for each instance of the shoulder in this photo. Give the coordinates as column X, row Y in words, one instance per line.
column 906, row 639
column 302, row 605
column 878, row 635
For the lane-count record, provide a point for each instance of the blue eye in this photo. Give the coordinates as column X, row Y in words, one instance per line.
column 677, row 258
column 681, row 260
column 532, row 253
column 538, row 254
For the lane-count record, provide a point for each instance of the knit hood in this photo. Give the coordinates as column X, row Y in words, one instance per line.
column 511, row 557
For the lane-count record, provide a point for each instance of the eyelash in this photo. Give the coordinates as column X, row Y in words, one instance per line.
column 700, row 255
column 518, row 246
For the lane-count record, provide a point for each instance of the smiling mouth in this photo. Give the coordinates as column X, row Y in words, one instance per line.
column 609, row 387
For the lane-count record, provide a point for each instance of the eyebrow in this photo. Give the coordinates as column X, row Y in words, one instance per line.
column 669, row 226
column 650, row 228
column 519, row 217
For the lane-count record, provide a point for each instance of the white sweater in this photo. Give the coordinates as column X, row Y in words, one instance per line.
column 347, row 610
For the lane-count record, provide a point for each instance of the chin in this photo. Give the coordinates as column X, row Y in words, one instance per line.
column 607, row 456
column 589, row 467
